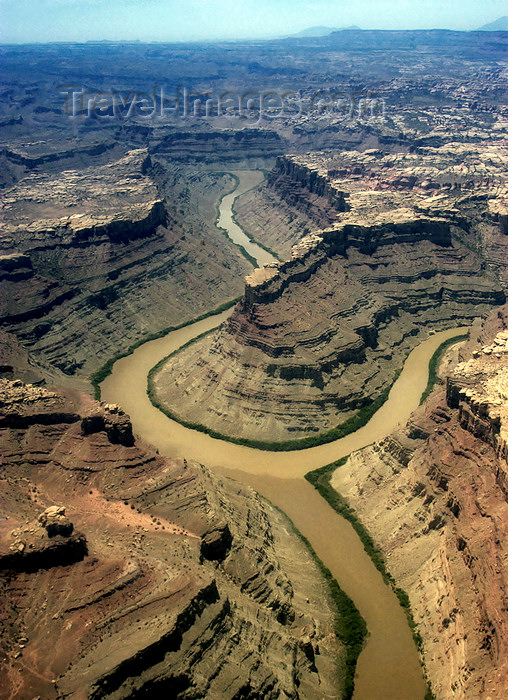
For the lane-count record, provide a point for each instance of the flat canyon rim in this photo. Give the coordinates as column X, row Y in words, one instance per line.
column 388, row 667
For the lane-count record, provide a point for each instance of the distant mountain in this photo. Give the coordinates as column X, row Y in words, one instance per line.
column 500, row 25
column 320, row 31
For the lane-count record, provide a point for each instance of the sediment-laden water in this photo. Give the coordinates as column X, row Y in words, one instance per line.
column 388, row 667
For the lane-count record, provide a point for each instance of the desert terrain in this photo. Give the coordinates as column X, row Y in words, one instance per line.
column 201, row 303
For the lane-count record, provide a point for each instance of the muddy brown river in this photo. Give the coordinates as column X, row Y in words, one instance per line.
column 388, row 667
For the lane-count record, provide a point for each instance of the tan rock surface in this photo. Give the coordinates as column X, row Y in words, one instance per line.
column 399, row 249
column 454, row 178
column 321, row 334
column 94, row 258
column 187, row 582
column 434, row 498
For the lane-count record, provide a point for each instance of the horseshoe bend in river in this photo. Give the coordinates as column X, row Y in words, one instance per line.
column 388, row 667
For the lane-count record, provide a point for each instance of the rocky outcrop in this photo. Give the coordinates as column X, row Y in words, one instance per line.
column 251, row 147
column 44, row 543
column 43, row 553
column 54, row 520
column 113, row 421
column 79, row 246
column 321, row 334
column 216, row 542
column 182, row 583
column 433, row 496
column 23, row 405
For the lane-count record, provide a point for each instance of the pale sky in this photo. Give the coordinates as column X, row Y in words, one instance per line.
column 187, row 20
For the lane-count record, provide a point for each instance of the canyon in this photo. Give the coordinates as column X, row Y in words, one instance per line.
column 323, row 333
column 145, row 574
column 326, row 239
column 79, row 247
column 434, row 497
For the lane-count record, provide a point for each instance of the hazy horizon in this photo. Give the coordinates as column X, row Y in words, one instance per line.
column 41, row 21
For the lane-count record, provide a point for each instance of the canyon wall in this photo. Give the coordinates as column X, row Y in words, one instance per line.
column 95, row 258
column 123, row 573
column 464, row 181
column 237, row 149
column 307, row 189
column 320, row 335
column 434, row 497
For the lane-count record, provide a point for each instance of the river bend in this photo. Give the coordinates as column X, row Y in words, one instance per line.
column 388, row 667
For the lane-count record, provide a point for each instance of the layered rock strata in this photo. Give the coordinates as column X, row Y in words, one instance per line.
column 434, row 497
column 321, row 334
column 252, row 148
column 93, row 259
column 478, row 388
column 464, row 181
column 307, row 189
column 123, row 573
column 41, row 153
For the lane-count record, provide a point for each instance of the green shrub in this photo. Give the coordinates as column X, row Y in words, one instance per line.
column 105, row 370
column 434, row 363
column 351, row 425
column 350, row 627
column 321, row 480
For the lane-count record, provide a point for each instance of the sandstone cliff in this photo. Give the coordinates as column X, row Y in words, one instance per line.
column 434, row 497
column 123, row 573
column 464, row 181
column 318, row 336
column 407, row 241
column 308, row 189
column 251, row 148
column 92, row 259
